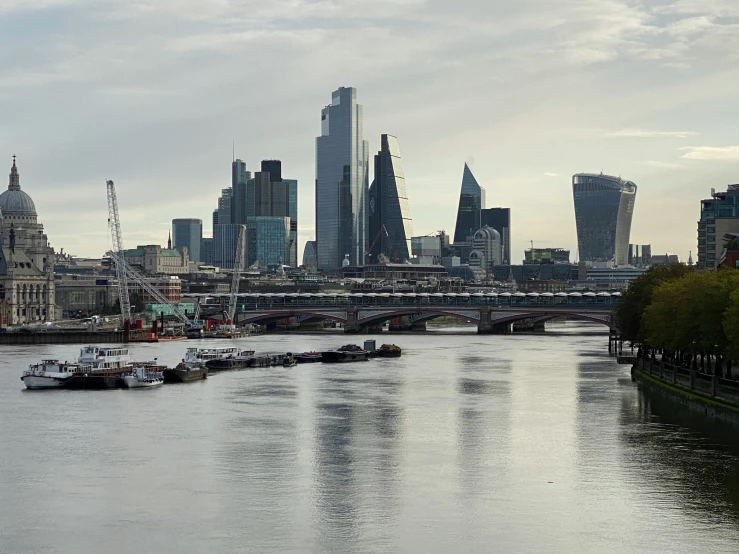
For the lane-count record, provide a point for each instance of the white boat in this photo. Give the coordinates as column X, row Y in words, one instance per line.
column 49, row 374
column 198, row 357
column 143, row 377
column 106, row 359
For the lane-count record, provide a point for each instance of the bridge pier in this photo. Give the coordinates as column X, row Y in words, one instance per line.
column 488, row 326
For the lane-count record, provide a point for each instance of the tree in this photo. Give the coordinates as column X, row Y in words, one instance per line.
column 638, row 296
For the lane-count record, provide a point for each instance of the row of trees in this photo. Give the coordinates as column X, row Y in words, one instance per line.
column 692, row 317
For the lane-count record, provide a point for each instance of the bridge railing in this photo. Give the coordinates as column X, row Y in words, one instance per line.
column 306, row 300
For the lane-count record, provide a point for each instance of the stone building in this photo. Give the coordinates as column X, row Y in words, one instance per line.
column 27, row 292
column 487, row 249
column 155, row 260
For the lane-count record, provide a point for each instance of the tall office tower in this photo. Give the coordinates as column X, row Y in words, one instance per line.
column 240, row 196
column 292, row 212
column 310, row 258
column 389, row 218
column 500, row 220
column 604, row 206
column 274, row 168
column 225, row 241
column 341, row 182
column 224, row 206
column 471, row 201
column 188, row 232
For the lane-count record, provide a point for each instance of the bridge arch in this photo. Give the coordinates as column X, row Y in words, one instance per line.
column 503, row 317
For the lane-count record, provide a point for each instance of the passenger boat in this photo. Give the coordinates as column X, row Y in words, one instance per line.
column 308, row 357
column 101, row 367
column 347, row 353
column 144, row 376
column 240, row 360
column 389, row 351
column 198, row 357
column 49, row 374
column 288, row 360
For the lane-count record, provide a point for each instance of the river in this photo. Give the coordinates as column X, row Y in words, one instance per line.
column 522, row 443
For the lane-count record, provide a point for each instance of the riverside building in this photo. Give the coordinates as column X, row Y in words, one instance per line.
column 719, row 216
column 27, row 291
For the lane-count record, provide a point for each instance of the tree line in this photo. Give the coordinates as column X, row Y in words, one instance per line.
column 691, row 317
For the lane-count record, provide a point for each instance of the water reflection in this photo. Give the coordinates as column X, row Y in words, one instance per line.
column 357, row 428
column 683, row 454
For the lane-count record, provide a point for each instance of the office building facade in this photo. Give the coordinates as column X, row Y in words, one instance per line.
column 225, row 242
column 241, row 201
column 546, row 256
column 341, row 182
column 604, row 207
column 719, row 216
column 389, row 221
column 471, row 202
column 188, row 232
column 487, row 249
column 267, row 240
column 500, row 220
column 310, row 258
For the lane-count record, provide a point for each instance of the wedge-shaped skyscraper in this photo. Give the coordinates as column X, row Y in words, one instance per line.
column 390, row 224
column 471, row 201
column 604, row 206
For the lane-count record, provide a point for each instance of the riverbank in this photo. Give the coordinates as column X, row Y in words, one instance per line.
column 709, row 395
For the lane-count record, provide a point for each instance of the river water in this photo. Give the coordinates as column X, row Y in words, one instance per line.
column 523, row 443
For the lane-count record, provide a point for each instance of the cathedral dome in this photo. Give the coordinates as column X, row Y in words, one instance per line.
column 14, row 200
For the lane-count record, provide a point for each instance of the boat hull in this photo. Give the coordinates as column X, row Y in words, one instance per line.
column 333, row 356
column 131, row 382
column 308, row 358
column 97, row 382
column 37, row 382
column 225, row 364
column 176, row 375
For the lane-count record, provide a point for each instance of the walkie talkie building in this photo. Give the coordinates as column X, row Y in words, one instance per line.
column 604, row 206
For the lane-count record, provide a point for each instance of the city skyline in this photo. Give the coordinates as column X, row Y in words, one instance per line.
column 624, row 98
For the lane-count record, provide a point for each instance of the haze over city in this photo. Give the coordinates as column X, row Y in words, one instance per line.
column 152, row 94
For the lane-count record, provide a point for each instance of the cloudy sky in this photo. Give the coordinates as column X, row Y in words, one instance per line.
column 151, row 93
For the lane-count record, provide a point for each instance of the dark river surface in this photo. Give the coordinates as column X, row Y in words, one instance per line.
column 523, row 443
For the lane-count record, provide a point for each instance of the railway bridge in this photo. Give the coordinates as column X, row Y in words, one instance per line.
column 359, row 312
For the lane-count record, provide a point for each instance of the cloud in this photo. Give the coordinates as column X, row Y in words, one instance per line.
column 647, row 133
column 718, row 153
column 662, row 165
column 551, row 174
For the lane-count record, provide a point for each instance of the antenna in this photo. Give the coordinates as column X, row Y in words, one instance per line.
column 233, row 150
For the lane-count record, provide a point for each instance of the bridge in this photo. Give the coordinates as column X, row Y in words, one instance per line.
column 357, row 312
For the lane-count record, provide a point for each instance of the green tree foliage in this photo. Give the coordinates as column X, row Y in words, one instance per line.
column 638, row 296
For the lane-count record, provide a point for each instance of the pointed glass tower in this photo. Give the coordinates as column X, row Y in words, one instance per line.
column 471, row 201
column 390, row 224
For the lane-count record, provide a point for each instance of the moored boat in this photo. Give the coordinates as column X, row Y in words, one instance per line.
column 49, row 374
column 198, row 357
column 347, row 353
column 101, row 367
column 308, row 357
column 144, row 376
column 240, row 360
column 389, row 351
column 184, row 374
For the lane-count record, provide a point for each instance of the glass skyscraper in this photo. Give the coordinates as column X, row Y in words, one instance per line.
column 341, row 182
column 225, row 241
column 604, row 206
column 240, row 195
column 390, row 224
column 188, row 232
column 267, row 240
column 292, row 201
column 471, row 201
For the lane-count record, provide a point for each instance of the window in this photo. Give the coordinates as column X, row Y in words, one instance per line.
column 712, row 247
column 712, row 229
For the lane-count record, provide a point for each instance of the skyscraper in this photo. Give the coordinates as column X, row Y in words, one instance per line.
column 500, row 220
column 240, row 192
column 471, row 201
column 341, row 181
column 389, row 220
column 268, row 240
column 225, row 241
column 292, row 211
column 189, row 233
column 604, row 206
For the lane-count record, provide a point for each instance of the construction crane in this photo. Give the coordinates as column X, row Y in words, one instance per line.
column 117, row 253
column 368, row 251
column 124, row 271
column 238, row 268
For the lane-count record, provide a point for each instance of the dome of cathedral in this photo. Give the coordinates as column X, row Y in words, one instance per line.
column 14, row 200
